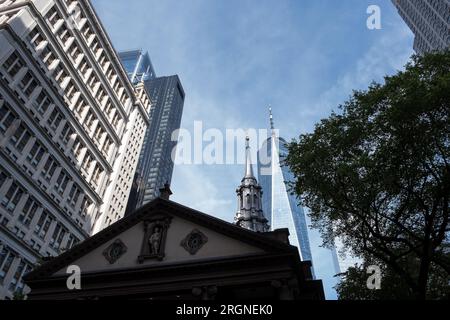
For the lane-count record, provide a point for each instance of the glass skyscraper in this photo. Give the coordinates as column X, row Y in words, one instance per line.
column 138, row 65
column 280, row 206
column 155, row 164
column 155, row 160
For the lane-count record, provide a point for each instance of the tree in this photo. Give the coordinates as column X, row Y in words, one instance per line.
column 377, row 174
column 353, row 284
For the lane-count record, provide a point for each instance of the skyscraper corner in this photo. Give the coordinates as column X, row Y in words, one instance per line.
column 429, row 21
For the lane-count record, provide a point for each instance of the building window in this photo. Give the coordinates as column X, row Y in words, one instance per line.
column 86, row 164
column 70, row 91
column 96, row 175
column 43, row 224
column 43, row 102
column 49, row 169
column 28, row 84
column 71, row 242
column 79, row 108
column 6, row 259
column 28, row 211
column 7, row 117
column 55, row 119
column 12, row 197
column 36, row 153
column 76, row 148
column 98, row 134
column 106, row 146
column 73, row 195
column 85, row 205
column 52, row 16
column 34, row 37
column 58, row 236
column 61, row 182
column 88, row 122
column 3, row 177
column 115, row 120
column 16, row 284
column 20, row 138
column 47, row 56
column 66, row 133
column 13, row 64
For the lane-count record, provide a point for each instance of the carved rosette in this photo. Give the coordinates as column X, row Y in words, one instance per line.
column 194, row 241
column 114, row 251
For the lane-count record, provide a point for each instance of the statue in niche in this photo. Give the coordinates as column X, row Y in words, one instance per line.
column 154, row 240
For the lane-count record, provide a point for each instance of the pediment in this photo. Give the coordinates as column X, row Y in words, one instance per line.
column 173, row 250
column 161, row 233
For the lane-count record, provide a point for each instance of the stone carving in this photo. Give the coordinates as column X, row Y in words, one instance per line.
column 155, row 240
column 194, row 241
column 114, row 251
column 155, row 232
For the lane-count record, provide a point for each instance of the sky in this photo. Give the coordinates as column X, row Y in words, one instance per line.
column 237, row 57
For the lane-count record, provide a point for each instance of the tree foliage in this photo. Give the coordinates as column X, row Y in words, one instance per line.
column 377, row 174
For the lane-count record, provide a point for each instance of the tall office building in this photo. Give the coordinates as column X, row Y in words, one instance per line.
column 167, row 95
column 279, row 205
column 429, row 20
column 71, row 129
column 155, row 161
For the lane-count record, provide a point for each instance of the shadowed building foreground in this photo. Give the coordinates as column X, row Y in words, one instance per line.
column 167, row 251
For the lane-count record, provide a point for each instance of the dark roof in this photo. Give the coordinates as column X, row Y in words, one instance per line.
column 266, row 241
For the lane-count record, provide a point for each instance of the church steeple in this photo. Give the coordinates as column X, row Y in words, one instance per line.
column 249, row 213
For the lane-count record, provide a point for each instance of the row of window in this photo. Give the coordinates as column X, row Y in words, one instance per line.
column 22, row 136
column 64, row 34
column 7, row 257
column 55, row 118
column 27, row 214
column 80, row 104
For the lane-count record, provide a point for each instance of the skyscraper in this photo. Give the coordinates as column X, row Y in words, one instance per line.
column 279, row 205
column 429, row 20
column 71, row 128
column 138, row 65
column 155, row 165
column 155, row 160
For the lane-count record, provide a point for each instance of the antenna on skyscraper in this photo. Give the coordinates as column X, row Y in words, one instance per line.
column 271, row 117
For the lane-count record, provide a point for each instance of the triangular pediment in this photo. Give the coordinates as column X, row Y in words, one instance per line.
column 162, row 233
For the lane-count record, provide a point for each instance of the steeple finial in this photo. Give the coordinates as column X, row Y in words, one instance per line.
column 248, row 160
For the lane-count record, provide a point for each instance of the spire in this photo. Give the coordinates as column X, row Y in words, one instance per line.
column 272, row 127
column 249, row 213
column 248, row 160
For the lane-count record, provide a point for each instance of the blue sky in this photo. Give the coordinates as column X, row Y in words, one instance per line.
column 236, row 57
